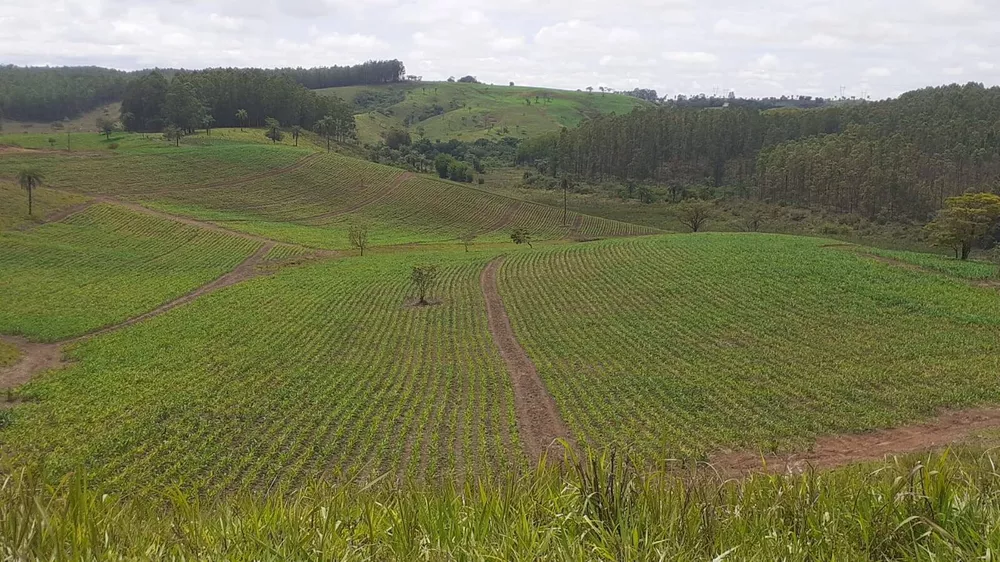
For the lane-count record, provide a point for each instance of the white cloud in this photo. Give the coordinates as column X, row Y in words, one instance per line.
column 699, row 58
column 769, row 47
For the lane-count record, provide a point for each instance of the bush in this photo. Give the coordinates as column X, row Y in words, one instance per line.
column 482, row 181
column 113, row 146
column 835, row 229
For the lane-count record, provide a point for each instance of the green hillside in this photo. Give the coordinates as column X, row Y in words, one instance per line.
column 446, row 110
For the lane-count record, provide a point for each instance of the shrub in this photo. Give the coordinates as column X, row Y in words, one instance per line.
column 113, row 146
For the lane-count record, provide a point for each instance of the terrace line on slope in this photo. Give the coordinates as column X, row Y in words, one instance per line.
column 538, row 420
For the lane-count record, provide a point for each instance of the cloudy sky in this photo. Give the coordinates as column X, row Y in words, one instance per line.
column 765, row 47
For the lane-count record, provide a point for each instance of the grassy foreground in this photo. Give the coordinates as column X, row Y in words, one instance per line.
column 940, row 507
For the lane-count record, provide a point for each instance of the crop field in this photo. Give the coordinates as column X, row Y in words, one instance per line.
column 969, row 269
column 445, row 110
column 689, row 344
column 102, row 266
column 319, row 370
column 14, row 204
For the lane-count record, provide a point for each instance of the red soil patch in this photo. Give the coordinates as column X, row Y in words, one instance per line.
column 35, row 358
column 841, row 450
column 538, row 420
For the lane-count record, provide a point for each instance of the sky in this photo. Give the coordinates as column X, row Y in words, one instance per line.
column 873, row 48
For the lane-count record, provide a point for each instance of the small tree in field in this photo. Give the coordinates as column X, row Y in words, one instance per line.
column 695, row 213
column 468, row 238
column 965, row 219
column 173, row 134
column 273, row 129
column 423, row 277
column 29, row 180
column 296, row 133
column 521, row 236
column 106, row 126
column 357, row 235
column 52, row 142
column 242, row 117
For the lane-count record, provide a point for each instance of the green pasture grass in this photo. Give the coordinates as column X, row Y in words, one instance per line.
column 103, row 266
column 922, row 507
column 320, row 370
column 969, row 269
column 14, row 204
column 8, row 354
column 468, row 107
column 688, row 344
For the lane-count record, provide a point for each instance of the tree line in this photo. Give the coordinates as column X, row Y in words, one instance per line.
column 231, row 98
column 45, row 94
column 891, row 159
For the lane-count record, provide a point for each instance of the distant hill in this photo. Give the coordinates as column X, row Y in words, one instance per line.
column 446, row 110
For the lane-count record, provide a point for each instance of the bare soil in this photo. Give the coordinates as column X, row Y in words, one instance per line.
column 35, row 358
column 538, row 420
column 841, row 450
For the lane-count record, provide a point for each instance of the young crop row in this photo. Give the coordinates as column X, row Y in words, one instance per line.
column 315, row 371
column 102, row 266
column 684, row 345
column 971, row 269
column 284, row 251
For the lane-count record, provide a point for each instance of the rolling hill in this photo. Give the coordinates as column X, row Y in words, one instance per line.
column 446, row 110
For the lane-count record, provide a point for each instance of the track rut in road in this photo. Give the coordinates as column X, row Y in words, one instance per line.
column 538, row 421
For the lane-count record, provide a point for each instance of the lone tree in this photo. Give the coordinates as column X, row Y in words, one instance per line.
column 29, row 180
column 565, row 188
column 242, row 117
column 521, row 236
column 106, row 126
column 468, row 238
column 174, row 134
column 695, row 213
column 207, row 121
column 423, row 277
column 296, row 133
column 326, row 128
column 357, row 234
column 273, row 129
column 964, row 220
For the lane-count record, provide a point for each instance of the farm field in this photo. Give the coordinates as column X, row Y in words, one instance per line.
column 443, row 110
column 685, row 345
column 102, row 266
column 299, row 196
column 970, row 269
column 315, row 371
column 14, row 206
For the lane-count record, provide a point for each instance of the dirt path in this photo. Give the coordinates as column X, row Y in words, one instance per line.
column 400, row 179
column 538, row 420
column 841, row 450
column 37, row 358
column 574, row 231
column 60, row 215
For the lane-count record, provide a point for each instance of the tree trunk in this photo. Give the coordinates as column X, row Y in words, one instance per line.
column 966, row 250
column 30, row 189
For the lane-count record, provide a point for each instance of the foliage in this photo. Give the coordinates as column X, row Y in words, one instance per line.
column 964, row 220
column 423, row 277
column 694, row 213
column 727, row 328
column 468, row 239
column 884, row 160
column 357, row 235
column 173, row 134
column 45, row 94
column 521, row 236
column 103, row 266
column 29, row 179
column 273, row 130
column 449, row 168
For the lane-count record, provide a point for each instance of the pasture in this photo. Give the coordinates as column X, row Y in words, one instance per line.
column 443, row 110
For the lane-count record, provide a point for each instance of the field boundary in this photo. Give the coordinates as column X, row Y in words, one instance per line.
column 59, row 215
column 833, row 451
column 539, row 424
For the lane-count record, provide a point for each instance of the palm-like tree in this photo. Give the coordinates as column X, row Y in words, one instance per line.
column 326, row 127
column 242, row 117
column 29, row 180
column 296, row 131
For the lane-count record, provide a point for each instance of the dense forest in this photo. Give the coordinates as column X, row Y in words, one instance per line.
column 889, row 159
column 53, row 93
column 228, row 98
